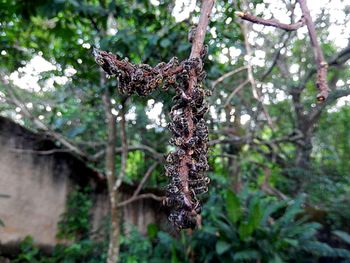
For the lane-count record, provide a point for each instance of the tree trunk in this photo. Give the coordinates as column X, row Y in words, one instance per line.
column 113, row 249
column 233, row 150
column 114, row 241
column 303, row 154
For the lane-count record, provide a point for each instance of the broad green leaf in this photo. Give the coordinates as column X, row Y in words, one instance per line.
column 152, row 230
column 221, row 247
column 255, row 214
column 276, row 259
column 245, row 230
column 342, row 235
column 248, row 254
column 233, row 206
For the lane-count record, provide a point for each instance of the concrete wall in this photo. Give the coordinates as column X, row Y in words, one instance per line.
column 36, row 196
column 38, row 184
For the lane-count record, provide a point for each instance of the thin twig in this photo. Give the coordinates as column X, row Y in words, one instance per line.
column 275, row 58
column 270, row 22
column 44, row 152
column 256, row 92
column 139, row 197
column 139, row 147
column 145, row 178
column 341, row 58
column 267, row 188
column 236, row 90
column 227, row 75
column 41, row 126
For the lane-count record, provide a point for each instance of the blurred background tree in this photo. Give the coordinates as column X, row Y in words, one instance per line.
column 270, row 143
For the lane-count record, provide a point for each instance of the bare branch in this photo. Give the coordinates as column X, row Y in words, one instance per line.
column 139, row 197
column 338, row 60
column 275, row 58
column 256, row 93
column 267, row 188
column 227, row 75
column 270, row 22
column 316, row 112
column 145, row 178
column 322, row 65
column 139, row 147
column 41, row 126
column 236, row 90
column 44, row 152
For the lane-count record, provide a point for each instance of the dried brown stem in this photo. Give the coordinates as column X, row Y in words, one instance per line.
column 270, row 22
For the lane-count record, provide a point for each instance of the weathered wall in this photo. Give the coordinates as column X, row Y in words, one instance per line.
column 38, row 184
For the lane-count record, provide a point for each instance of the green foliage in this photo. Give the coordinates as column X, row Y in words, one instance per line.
column 74, row 226
column 243, row 227
column 84, row 251
column 74, row 223
column 264, row 229
column 343, row 236
column 29, row 253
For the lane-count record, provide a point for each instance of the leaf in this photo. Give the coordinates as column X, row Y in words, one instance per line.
column 248, row 254
column 221, row 247
column 2, row 223
column 245, row 230
column 76, row 131
column 233, row 206
column 292, row 242
column 255, row 214
column 165, row 43
column 322, row 249
column 152, row 230
column 342, row 235
column 174, row 258
column 270, row 209
column 276, row 259
column 291, row 212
